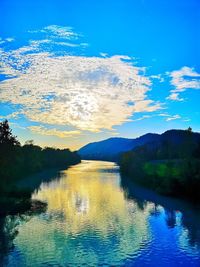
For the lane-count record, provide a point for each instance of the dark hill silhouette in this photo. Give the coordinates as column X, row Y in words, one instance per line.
column 111, row 149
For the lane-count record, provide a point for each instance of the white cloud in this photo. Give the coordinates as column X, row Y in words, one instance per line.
column 13, row 115
column 174, row 97
column 103, row 54
column 3, row 41
column 163, row 115
column 158, row 77
column 174, row 117
column 55, row 31
column 9, row 39
column 183, row 79
column 88, row 93
column 53, row 36
column 39, row 45
column 142, row 118
column 62, row 32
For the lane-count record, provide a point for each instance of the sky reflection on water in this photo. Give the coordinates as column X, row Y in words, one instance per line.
column 94, row 217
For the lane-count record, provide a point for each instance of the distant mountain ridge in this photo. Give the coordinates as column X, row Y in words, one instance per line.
column 110, row 149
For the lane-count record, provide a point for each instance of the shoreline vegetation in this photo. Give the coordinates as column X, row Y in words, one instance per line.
column 168, row 163
column 170, row 167
column 18, row 162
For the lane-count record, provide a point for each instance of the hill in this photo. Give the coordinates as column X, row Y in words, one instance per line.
column 111, row 149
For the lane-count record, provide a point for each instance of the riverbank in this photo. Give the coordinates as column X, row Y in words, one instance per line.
column 176, row 177
column 170, row 166
column 16, row 197
column 18, row 162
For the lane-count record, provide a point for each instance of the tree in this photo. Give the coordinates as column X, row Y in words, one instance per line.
column 29, row 143
column 189, row 143
column 6, row 136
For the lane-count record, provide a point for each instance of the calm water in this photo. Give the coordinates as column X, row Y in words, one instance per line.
column 95, row 218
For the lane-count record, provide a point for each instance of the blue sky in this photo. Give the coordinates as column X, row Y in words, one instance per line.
column 73, row 72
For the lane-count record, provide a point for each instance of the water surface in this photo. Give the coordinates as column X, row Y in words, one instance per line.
column 96, row 218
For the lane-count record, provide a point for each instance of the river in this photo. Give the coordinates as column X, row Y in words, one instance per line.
column 96, row 218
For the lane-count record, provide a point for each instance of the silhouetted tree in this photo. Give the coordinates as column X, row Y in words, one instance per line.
column 17, row 161
column 29, row 142
column 6, row 136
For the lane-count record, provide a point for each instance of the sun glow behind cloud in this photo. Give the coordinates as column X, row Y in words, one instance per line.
column 85, row 93
column 62, row 91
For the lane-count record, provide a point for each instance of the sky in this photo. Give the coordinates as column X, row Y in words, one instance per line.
column 74, row 71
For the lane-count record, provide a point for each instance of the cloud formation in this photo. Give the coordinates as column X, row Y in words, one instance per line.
column 175, row 97
column 174, row 117
column 56, row 31
column 183, row 79
column 45, row 131
column 142, row 118
column 86, row 93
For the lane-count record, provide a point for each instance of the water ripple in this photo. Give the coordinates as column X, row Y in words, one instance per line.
column 92, row 221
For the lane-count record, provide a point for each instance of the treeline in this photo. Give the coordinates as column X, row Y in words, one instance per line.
column 17, row 161
column 170, row 166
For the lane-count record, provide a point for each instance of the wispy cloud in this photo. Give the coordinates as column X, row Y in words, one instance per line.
column 56, row 31
column 6, row 40
column 159, row 77
column 10, row 39
column 13, row 115
column 183, row 79
column 174, row 117
column 16, row 125
column 163, row 115
column 187, row 119
column 53, row 36
column 45, row 131
column 61, row 32
column 174, row 97
column 142, row 118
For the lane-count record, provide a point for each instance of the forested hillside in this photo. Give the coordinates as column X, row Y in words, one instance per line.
column 170, row 165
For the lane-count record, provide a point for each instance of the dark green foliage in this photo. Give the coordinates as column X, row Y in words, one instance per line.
column 166, row 166
column 18, row 161
column 6, row 136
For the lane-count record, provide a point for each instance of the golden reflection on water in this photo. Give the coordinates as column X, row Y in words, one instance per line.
column 88, row 217
column 90, row 222
column 85, row 198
